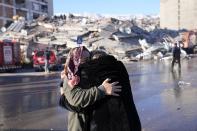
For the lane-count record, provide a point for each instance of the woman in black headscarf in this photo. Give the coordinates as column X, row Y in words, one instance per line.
column 111, row 113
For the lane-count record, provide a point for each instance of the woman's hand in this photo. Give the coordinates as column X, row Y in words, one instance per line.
column 111, row 88
column 61, row 91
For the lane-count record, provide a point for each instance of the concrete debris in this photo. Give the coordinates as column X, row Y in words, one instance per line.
column 183, row 83
column 138, row 38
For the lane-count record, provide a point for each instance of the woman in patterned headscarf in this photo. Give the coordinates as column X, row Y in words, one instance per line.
column 75, row 92
column 76, row 57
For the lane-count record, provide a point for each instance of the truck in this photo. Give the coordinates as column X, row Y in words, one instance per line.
column 10, row 55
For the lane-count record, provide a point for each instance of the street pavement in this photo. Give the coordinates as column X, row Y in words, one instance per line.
column 165, row 99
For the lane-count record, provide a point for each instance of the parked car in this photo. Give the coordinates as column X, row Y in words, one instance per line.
column 39, row 60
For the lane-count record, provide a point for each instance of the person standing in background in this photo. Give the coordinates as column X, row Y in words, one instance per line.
column 47, row 58
column 176, row 56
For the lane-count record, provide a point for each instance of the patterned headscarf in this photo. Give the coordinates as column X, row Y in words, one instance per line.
column 75, row 57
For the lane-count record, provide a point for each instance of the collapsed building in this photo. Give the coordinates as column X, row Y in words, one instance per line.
column 130, row 40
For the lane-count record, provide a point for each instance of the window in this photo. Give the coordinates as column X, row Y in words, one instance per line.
column 20, row 1
column 35, row 15
column 44, row 8
column 40, row 53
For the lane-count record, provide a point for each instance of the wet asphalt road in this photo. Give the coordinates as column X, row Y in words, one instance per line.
column 29, row 100
column 165, row 100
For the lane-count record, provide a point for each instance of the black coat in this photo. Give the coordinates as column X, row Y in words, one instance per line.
column 176, row 53
column 110, row 113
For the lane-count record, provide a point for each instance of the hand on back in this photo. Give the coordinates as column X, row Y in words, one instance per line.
column 111, row 88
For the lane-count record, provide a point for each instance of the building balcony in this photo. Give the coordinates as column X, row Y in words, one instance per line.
column 44, row 10
column 44, row 1
column 20, row 6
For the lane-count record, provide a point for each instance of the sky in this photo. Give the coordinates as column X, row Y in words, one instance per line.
column 115, row 7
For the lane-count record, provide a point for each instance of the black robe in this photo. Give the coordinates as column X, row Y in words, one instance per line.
column 111, row 113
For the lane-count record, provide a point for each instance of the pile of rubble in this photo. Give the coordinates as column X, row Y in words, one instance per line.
column 131, row 40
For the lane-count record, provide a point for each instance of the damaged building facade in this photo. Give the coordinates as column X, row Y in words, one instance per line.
column 178, row 14
column 29, row 9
